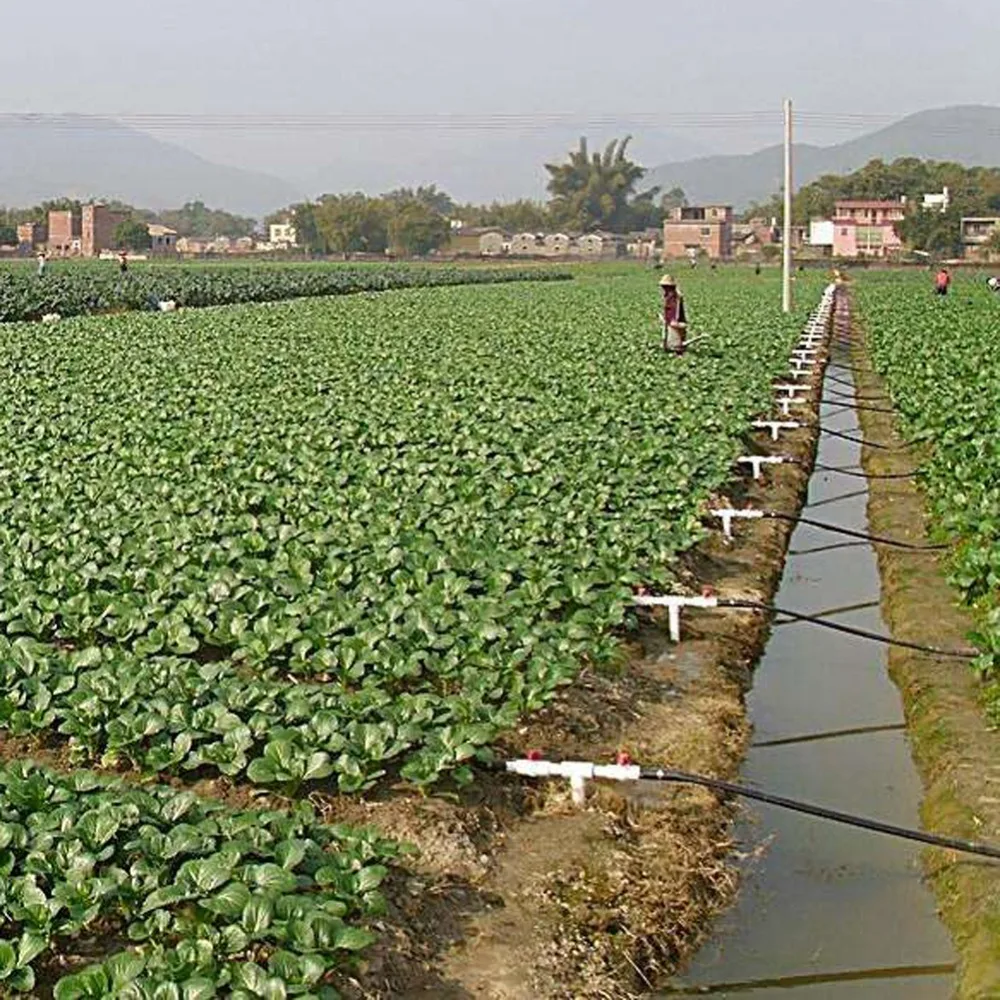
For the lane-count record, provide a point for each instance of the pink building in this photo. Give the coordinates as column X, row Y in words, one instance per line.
column 867, row 228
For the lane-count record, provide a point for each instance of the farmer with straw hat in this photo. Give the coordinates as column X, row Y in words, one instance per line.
column 674, row 317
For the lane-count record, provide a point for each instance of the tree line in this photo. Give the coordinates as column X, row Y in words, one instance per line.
column 974, row 191
column 587, row 192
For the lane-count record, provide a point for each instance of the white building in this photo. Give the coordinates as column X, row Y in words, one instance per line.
column 937, row 202
column 282, row 235
column 821, row 232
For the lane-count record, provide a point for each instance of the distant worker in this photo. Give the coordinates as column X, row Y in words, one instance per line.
column 674, row 317
column 993, row 283
column 123, row 263
column 756, row 270
column 41, row 263
column 942, row 282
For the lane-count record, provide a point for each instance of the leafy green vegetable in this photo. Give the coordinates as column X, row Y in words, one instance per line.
column 245, row 882
column 941, row 362
column 320, row 540
column 77, row 287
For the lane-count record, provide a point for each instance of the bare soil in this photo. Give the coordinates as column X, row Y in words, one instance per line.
column 956, row 750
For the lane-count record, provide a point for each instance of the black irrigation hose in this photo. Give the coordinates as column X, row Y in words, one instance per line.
column 960, row 654
column 862, row 441
column 796, row 805
column 882, row 398
column 878, row 539
column 851, row 368
column 854, row 406
column 866, row 475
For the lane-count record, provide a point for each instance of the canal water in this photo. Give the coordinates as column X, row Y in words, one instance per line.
column 828, row 911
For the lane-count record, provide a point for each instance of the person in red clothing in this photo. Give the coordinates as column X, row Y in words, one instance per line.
column 674, row 317
column 942, row 281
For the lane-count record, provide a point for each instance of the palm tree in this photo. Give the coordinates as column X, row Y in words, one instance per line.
column 595, row 191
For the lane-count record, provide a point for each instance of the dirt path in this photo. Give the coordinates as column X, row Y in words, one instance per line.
column 957, row 754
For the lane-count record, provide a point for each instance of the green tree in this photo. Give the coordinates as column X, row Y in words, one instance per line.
column 303, row 216
column 430, row 196
column 935, row 232
column 196, row 219
column 415, row 229
column 595, row 191
column 8, row 235
column 352, row 223
column 131, row 234
column 522, row 216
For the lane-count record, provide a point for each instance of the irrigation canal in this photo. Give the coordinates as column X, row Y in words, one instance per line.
column 826, row 911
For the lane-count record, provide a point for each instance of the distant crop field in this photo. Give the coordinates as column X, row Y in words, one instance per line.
column 319, row 544
column 71, row 288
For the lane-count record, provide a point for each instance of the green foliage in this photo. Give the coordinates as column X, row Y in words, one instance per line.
column 597, row 191
column 522, row 216
column 195, row 219
column 973, row 190
column 941, row 360
column 415, row 229
column 8, row 235
column 203, row 893
column 77, row 288
column 327, row 539
column 131, row 234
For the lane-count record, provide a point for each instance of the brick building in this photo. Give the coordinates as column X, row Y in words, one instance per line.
column 97, row 229
column 64, row 232
column 32, row 234
column 691, row 230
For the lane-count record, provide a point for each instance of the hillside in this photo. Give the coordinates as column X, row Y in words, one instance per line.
column 49, row 156
column 968, row 134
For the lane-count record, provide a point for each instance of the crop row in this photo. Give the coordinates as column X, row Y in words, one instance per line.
column 941, row 361
column 326, row 540
column 188, row 899
column 72, row 289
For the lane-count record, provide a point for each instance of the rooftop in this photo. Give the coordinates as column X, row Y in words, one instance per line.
column 867, row 203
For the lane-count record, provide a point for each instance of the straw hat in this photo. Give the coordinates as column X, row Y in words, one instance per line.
column 667, row 280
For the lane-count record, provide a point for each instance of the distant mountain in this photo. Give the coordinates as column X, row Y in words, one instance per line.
column 50, row 156
column 964, row 134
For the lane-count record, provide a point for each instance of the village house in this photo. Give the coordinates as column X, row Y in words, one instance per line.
column 556, row 244
column 31, row 235
column 282, row 235
column 643, row 245
column 525, row 245
column 937, row 202
column 64, row 232
column 474, row 241
column 694, row 230
column 976, row 233
column 163, row 241
column 867, row 227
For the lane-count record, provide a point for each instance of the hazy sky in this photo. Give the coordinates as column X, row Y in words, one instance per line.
column 476, row 57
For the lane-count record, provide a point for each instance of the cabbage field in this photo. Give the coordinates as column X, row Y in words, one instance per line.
column 319, row 544
column 941, row 361
column 72, row 288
